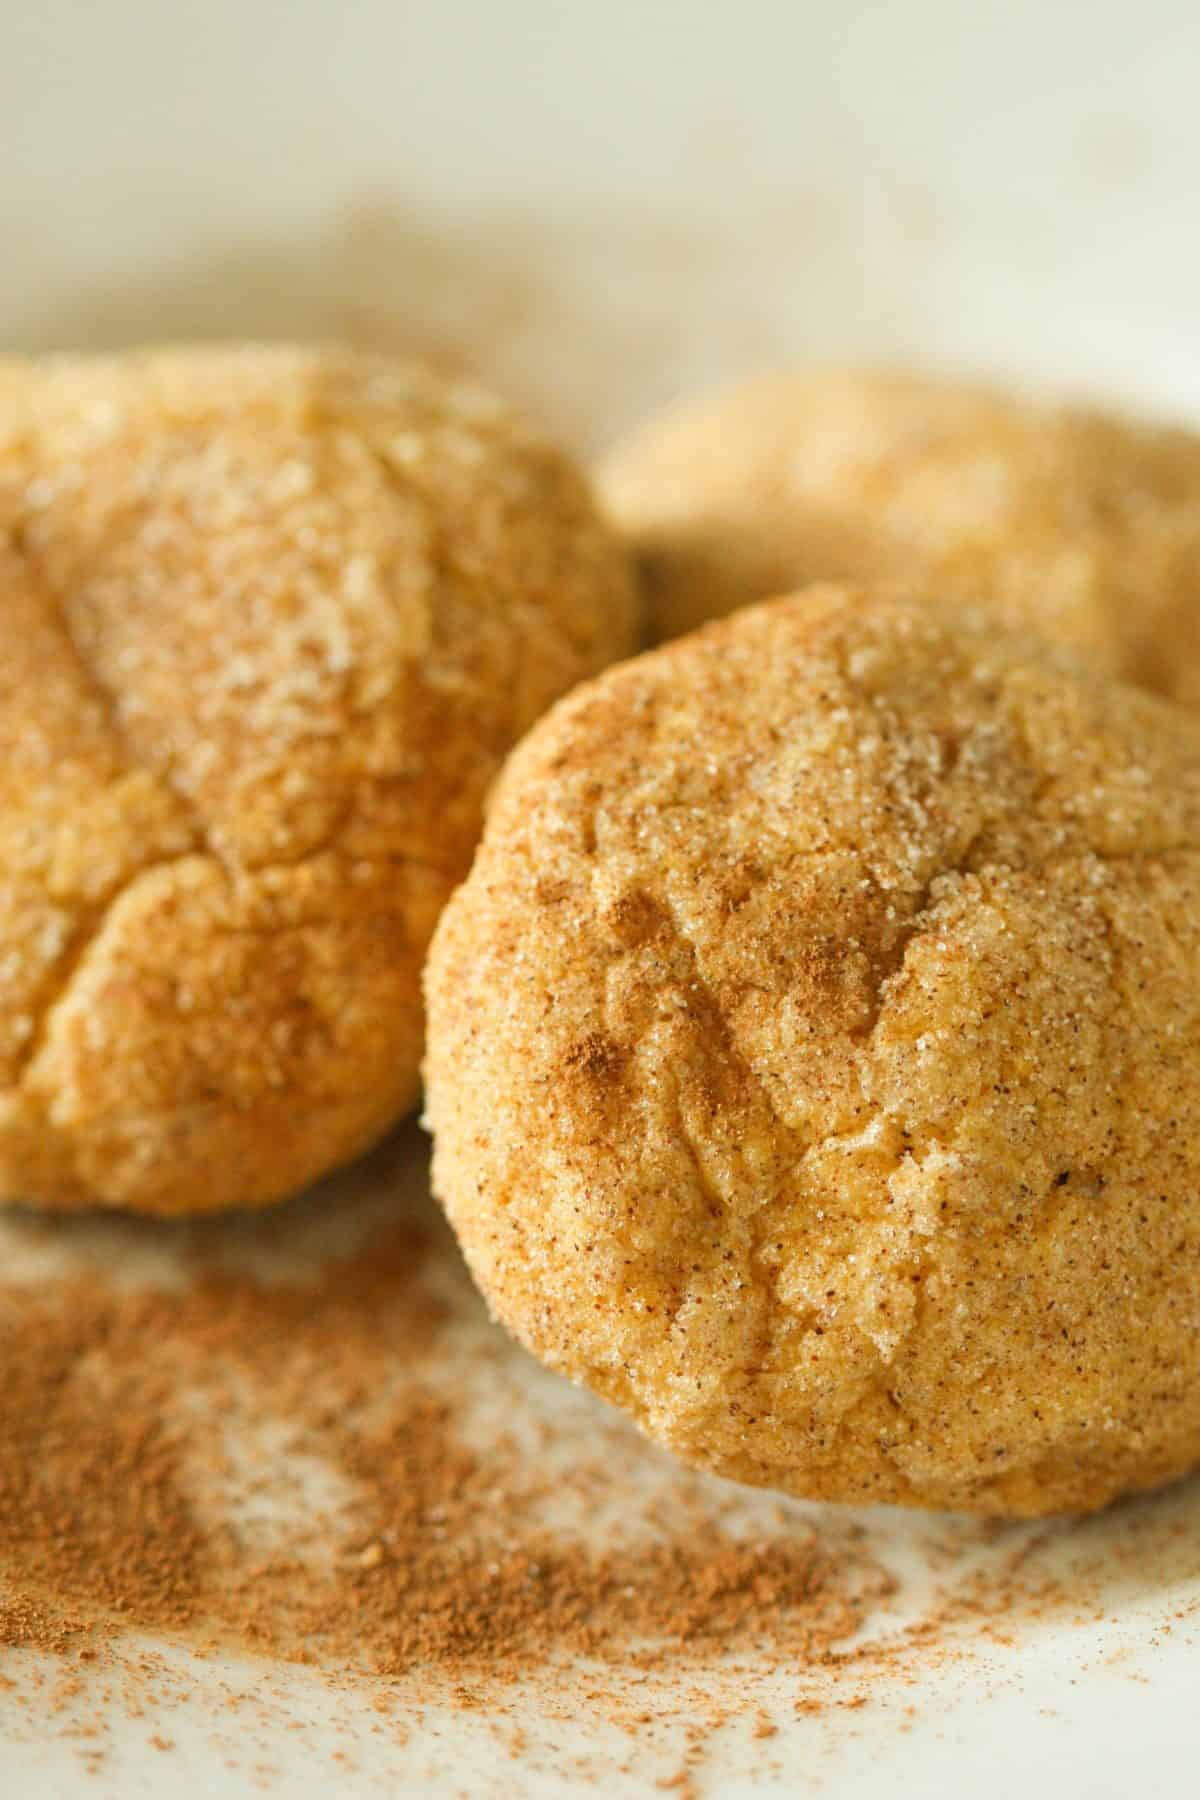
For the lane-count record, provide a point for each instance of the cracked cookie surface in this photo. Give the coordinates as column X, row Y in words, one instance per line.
column 1079, row 525
column 269, row 621
column 814, row 1057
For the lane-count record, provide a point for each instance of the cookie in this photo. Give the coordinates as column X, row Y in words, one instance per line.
column 1075, row 524
column 272, row 618
column 814, row 1057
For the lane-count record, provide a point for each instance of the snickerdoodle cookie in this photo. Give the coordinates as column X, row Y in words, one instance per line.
column 814, row 1057
column 269, row 621
column 1082, row 526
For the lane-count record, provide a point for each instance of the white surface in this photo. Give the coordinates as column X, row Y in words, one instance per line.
column 619, row 202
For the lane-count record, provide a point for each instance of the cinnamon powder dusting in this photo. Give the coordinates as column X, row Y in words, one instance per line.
column 246, row 1438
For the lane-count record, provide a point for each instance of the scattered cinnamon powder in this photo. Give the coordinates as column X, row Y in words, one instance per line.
column 112, row 1446
column 247, row 1437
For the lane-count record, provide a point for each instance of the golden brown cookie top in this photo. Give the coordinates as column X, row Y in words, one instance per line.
column 1072, row 522
column 271, row 619
column 813, row 1056
column 290, row 567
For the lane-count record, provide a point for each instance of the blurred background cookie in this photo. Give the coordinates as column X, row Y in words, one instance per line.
column 813, row 1057
column 271, row 620
column 1078, row 524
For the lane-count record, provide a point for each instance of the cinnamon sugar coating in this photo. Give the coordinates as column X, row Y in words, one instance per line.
column 1080, row 525
column 814, row 1057
column 271, row 618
